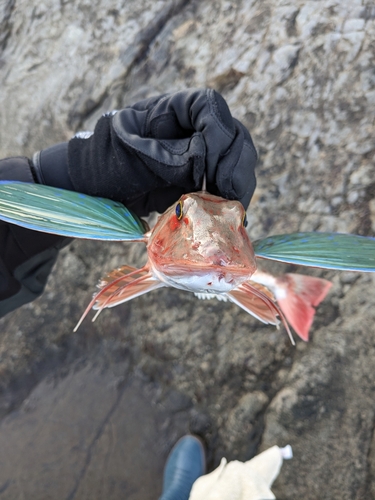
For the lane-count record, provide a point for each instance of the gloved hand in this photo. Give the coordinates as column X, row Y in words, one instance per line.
column 148, row 154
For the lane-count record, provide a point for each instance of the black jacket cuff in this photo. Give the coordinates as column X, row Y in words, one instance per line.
column 51, row 166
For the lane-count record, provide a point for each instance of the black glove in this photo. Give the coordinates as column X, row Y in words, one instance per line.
column 148, row 154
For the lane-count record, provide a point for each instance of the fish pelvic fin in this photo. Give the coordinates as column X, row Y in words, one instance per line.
column 121, row 285
column 297, row 296
column 258, row 301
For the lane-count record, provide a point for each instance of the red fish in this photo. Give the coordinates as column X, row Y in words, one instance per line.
column 200, row 244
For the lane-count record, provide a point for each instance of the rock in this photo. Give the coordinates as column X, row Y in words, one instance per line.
column 75, row 431
column 243, row 420
column 372, row 213
column 363, row 176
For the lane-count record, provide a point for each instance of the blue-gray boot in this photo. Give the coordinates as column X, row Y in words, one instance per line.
column 186, row 462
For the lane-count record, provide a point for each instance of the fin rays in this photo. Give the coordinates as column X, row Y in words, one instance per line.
column 67, row 213
column 345, row 252
column 127, row 283
column 264, row 308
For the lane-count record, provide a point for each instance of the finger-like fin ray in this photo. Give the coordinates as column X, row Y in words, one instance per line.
column 104, row 289
column 243, row 297
column 119, row 286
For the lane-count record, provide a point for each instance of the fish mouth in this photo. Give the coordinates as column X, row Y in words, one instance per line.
column 205, row 279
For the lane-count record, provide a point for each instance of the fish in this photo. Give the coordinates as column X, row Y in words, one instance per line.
column 200, row 244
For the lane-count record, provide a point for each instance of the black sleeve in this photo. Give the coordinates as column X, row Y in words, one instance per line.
column 26, row 257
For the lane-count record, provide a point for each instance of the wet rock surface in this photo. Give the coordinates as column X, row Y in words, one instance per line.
column 301, row 76
column 91, row 433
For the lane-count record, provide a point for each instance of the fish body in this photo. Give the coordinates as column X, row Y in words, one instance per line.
column 200, row 244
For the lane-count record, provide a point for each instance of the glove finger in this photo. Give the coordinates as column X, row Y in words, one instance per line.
column 235, row 177
column 148, row 103
column 186, row 112
column 162, row 153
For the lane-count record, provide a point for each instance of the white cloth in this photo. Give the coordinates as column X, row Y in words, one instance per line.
column 242, row 480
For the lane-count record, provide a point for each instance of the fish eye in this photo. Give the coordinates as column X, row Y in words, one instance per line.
column 244, row 220
column 179, row 210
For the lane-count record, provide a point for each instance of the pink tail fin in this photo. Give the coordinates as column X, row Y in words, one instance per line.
column 297, row 296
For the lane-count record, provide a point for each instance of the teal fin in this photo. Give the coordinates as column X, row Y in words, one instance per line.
column 67, row 213
column 345, row 252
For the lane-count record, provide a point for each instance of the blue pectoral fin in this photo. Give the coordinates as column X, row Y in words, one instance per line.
column 67, row 213
column 345, row 252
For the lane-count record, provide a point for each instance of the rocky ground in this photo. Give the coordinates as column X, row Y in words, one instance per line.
column 99, row 409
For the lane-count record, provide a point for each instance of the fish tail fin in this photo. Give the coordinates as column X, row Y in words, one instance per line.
column 297, row 296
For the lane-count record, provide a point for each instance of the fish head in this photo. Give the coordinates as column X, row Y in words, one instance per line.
column 200, row 244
